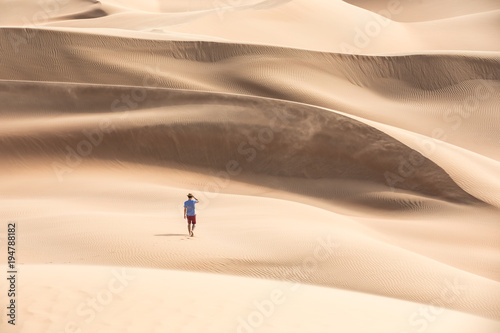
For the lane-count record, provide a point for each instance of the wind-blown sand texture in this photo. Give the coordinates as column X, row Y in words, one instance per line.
column 345, row 154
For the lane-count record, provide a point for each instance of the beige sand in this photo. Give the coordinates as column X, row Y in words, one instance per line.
column 347, row 165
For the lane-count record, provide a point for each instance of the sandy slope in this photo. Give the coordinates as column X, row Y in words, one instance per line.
column 324, row 25
column 362, row 164
column 426, row 10
column 173, row 301
column 138, row 223
column 453, row 102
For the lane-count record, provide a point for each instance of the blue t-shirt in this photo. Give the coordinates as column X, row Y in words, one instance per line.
column 190, row 207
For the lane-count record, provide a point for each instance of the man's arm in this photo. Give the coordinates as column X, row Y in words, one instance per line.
column 185, row 211
column 196, row 199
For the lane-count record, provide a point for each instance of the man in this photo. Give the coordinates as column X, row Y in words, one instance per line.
column 190, row 213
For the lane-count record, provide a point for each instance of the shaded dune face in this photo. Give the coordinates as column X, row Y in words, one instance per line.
column 309, row 143
column 244, row 136
column 213, row 61
column 88, row 14
column 417, row 92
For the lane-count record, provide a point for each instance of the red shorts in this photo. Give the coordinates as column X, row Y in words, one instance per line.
column 191, row 219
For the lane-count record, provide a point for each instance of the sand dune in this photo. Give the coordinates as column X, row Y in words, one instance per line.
column 448, row 100
column 165, row 288
column 254, row 133
column 345, row 154
column 309, row 24
column 355, row 256
column 424, row 10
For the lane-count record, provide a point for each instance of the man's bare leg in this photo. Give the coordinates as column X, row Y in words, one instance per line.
column 192, row 229
column 189, row 229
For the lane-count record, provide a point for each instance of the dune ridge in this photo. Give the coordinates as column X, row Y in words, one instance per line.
column 422, row 11
column 332, row 146
column 451, row 100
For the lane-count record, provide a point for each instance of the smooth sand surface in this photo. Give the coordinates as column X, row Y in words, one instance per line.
column 345, row 154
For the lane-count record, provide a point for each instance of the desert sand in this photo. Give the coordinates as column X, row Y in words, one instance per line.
column 345, row 155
